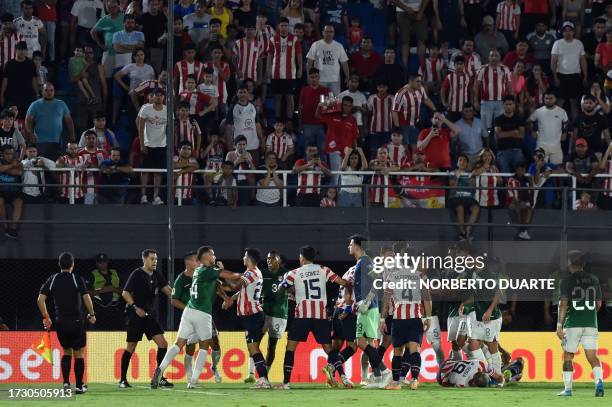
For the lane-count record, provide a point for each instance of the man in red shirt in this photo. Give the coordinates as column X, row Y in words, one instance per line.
column 519, row 54
column 365, row 62
column 342, row 133
column 603, row 53
column 310, row 96
column 435, row 141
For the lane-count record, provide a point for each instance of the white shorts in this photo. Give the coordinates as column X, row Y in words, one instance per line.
column 194, row 339
column 108, row 62
column 195, row 326
column 274, row 327
column 433, row 333
column 484, row 331
column 553, row 153
column 574, row 336
column 457, row 326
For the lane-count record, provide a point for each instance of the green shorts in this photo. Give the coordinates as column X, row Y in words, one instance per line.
column 367, row 324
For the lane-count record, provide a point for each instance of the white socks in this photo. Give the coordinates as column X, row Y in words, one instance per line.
column 496, row 362
column 568, row 378
column 597, row 374
column 169, row 357
column 199, row 365
column 478, row 355
column 487, row 354
column 216, row 356
column 251, row 367
column 365, row 365
column 188, row 361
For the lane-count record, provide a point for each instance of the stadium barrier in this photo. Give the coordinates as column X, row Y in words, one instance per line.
column 19, row 363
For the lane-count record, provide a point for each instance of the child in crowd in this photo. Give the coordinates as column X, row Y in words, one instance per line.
column 520, row 201
column 397, row 151
column 355, row 34
column 329, row 200
column 584, row 203
column 226, row 194
column 76, row 68
column 41, row 70
column 433, row 70
column 281, row 143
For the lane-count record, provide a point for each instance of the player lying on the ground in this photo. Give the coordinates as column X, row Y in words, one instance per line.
column 467, row 373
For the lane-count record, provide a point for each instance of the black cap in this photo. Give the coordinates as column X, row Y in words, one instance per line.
column 101, row 258
column 21, row 45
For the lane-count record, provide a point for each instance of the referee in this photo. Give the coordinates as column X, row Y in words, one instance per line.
column 67, row 290
column 140, row 294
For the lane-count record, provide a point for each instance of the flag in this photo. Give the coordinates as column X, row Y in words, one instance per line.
column 44, row 347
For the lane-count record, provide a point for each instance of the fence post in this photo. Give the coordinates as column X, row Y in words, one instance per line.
column 573, row 193
column 284, row 189
column 71, row 192
column 386, row 186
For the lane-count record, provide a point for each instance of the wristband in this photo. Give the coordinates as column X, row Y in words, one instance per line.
column 559, row 325
column 91, row 315
column 426, row 318
column 348, row 309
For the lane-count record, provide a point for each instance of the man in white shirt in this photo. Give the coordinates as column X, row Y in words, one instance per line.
column 151, row 122
column 85, row 14
column 552, row 128
column 567, row 62
column 359, row 102
column 34, row 175
column 242, row 120
column 197, row 24
column 328, row 55
column 31, row 29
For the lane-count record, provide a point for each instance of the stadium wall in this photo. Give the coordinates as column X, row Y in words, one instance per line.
column 19, row 363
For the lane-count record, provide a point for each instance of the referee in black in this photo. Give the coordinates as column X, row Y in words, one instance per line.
column 140, row 294
column 67, row 291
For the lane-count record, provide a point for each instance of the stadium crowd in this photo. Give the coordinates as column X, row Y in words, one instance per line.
column 318, row 88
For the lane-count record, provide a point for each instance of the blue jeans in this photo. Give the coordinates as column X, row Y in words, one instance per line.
column 410, row 135
column 50, row 28
column 489, row 110
column 348, row 199
column 508, row 159
column 314, row 134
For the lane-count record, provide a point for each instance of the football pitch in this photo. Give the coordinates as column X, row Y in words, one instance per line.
column 316, row 395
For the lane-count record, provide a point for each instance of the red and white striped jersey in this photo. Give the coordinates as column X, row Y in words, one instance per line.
column 215, row 156
column 397, row 152
column 196, row 99
column 508, row 13
column 310, row 290
column 472, row 63
column 222, row 86
column 349, row 275
column 494, row 81
column 327, row 203
column 431, row 69
column 458, row 90
column 7, row 47
column 183, row 68
column 377, row 195
column 183, row 180
column 309, row 181
column 264, row 36
column 187, row 130
column 407, row 298
column 146, row 87
column 95, row 158
column 247, row 55
column 607, row 184
column 248, row 298
column 381, row 120
column 279, row 144
column 408, row 104
column 284, row 53
column 460, row 373
column 488, row 197
column 65, row 178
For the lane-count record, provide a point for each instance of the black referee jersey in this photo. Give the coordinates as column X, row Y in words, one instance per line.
column 144, row 288
column 67, row 290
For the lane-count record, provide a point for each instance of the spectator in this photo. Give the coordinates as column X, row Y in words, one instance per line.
column 187, row 130
column 181, row 39
column 492, row 85
column 360, row 103
column 398, row 152
column 489, row 39
column 108, row 25
column 93, row 72
column 406, row 110
column 413, row 194
column 328, row 56
column 471, row 12
column 509, row 20
column 41, row 71
column 471, row 59
column 509, row 134
column 17, row 76
column 8, row 39
column 10, row 134
column 31, row 29
column 105, row 291
column 242, row 159
column 199, row 103
column 591, row 126
column 46, row 119
column 223, row 14
column 226, row 193
column 310, row 170
column 242, row 120
column 390, row 71
column 567, row 63
column 456, row 90
column 183, row 179
column 310, row 95
column 432, row 69
column 183, row 8
column 187, row 66
column 552, row 128
column 246, row 14
column 573, row 11
column 269, row 196
column 410, row 18
column 294, row 13
column 105, row 138
column 538, row 11
column 489, row 197
column 11, row 171
column 541, row 171
column 151, row 123
column 472, row 135
column 329, row 200
column 90, row 157
column 603, row 102
column 583, row 165
column 197, row 25
column 592, row 40
column 603, row 54
column 342, row 133
column 125, row 43
column 280, row 143
column 518, row 83
column 70, row 161
column 541, row 43
column 247, row 55
column 84, row 15
column 365, row 62
column 355, row 34
column 352, row 196
column 520, row 200
column 584, row 202
column 47, row 12
column 462, row 198
column 34, row 174
column 537, row 84
column 114, row 171
column 605, row 166
column 212, row 157
column 380, row 185
column 76, row 69
column 520, row 54
column 153, row 26
column 285, row 68
column 379, row 108
column 435, row 141
column 221, row 75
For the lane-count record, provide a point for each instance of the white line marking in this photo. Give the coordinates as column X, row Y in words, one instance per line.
column 209, row 393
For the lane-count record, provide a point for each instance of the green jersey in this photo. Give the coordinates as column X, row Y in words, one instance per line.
column 181, row 288
column 484, row 297
column 274, row 302
column 203, row 289
column 582, row 291
column 453, row 310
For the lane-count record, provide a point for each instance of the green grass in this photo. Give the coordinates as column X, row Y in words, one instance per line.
column 315, row 395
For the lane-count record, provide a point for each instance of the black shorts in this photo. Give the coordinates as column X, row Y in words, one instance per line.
column 344, row 329
column 571, row 86
column 464, row 201
column 388, row 324
column 71, row 333
column 10, row 196
column 301, row 327
column 406, row 330
column 283, row 86
column 253, row 327
column 155, row 158
column 147, row 325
